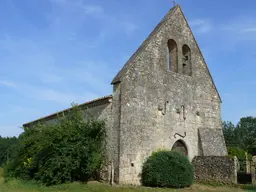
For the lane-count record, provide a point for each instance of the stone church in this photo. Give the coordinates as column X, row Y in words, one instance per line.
column 163, row 98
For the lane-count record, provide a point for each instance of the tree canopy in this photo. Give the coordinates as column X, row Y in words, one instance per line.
column 242, row 135
column 6, row 146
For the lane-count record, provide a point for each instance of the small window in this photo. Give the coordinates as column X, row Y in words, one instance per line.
column 186, row 61
column 172, row 56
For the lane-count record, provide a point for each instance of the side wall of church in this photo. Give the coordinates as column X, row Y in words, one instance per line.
column 101, row 110
column 152, row 98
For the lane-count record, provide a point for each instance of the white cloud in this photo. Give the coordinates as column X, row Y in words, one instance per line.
column 129, row 27
column 253, row 29
column 79, row 6
column 51, row 78
column 54, row 65
column 56, row 95
column 7, row 83
column 93, row 9
column 73, row 17
column 240, row 29
column 201, row 25
column 61, row 97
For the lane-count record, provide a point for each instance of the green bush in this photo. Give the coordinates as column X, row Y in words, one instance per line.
column 167, row 169
column 70, row 150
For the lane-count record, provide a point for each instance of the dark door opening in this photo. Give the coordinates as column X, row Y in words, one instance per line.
column 180, row 147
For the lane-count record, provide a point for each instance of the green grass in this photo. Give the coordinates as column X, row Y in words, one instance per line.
column 21, row 186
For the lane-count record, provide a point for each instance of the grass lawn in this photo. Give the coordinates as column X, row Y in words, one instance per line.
column 19, row 186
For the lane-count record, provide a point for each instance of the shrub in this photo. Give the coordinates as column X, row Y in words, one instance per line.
column 167, row 169
column 70, row 150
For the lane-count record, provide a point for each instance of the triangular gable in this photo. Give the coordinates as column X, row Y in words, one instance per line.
column 133, row 58
column 118, row 77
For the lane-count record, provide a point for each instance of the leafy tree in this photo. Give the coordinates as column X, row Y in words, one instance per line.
column 239, row 153
column 70, row 150
column 243, row 135
column 6, row 147
column 247, row 131
column 229, row 133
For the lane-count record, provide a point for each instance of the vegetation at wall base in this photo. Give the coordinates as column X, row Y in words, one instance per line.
column 67, row 151
column 167, row 169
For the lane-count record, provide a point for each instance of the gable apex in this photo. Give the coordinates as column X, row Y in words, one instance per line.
column 118, row 77
column 144, row 45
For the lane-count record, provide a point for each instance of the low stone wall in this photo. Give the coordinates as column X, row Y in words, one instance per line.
column 214, row 169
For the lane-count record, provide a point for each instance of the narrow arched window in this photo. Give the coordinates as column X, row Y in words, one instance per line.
column 186, row 61
column 172, row 56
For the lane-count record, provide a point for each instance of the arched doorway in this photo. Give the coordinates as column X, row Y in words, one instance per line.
column 180, row 147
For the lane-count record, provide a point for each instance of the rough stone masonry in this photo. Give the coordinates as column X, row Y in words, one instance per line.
column 163, row 98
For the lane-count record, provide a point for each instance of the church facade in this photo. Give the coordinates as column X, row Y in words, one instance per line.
column 163, row 98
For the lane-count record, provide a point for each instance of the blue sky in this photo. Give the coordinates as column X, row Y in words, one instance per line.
column 55, row 52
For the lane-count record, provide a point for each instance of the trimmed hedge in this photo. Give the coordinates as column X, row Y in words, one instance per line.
column 167, row 169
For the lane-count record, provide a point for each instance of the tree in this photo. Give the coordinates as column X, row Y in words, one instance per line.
column 243, row 135
column 73, row 149
column 229, row 133
column 6, row 146
column 246, row 129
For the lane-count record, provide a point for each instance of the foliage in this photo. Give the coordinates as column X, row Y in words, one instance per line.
column 72, row 149
column 239, row 153
column 6, row 147
column 229, row 133
column 1, row 172
column 167, row 169
column 243, row 135
column 247, row 131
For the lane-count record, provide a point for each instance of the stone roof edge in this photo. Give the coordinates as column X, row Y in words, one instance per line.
column 118, row 77
column 51, row 116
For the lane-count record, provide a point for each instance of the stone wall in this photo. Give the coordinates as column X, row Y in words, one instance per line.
column 212, row 142
column 152, row 100
column 102, row 110
column 214, row 169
